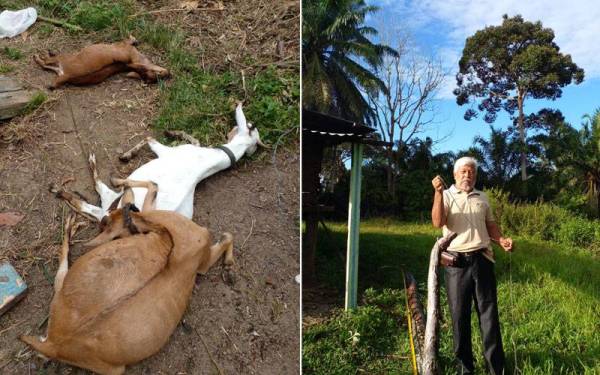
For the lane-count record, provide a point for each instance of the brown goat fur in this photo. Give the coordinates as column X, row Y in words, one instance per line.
column 95, row 63
column 120, row 302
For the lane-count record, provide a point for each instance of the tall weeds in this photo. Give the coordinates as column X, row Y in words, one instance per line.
column 544, row 221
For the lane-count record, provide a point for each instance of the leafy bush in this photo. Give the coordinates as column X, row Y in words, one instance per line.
column 577, row 231
column 359, row 340
column 544, row 221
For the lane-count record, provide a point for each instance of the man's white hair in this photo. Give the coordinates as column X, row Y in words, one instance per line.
column 465, row 160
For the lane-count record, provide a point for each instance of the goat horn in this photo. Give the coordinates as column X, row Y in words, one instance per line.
column 263, row 145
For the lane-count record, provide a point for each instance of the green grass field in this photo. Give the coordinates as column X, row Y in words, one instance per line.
column 549, row 302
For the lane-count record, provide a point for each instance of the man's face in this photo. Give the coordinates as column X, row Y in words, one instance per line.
column 464, row 177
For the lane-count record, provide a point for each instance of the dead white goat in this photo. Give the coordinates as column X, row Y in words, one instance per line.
column 176, row 171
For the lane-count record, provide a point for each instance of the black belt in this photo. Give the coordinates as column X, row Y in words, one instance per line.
column 229, row 154
column 468, row 253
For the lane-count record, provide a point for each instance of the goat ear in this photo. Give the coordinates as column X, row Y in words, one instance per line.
column 232, row 133
column 105, row 236
column 140, row 68
column 113, row 228
column 133, row 75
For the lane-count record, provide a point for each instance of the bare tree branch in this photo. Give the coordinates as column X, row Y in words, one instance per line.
column 409, row 105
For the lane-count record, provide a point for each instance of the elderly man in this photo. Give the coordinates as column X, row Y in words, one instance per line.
column 466, row 211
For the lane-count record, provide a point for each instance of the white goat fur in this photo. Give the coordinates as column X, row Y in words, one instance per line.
column 177, row 171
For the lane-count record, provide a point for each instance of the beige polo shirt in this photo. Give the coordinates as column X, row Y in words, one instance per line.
column 466, row 215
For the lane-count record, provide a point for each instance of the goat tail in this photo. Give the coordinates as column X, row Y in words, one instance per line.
column 47, row 348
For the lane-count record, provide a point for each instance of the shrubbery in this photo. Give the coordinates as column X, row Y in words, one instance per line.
column 544, row 221
column 359, row 340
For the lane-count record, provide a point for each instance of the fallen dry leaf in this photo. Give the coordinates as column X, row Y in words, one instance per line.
column 10, row 218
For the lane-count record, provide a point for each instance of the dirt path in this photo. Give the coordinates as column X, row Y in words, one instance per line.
column 251, row 327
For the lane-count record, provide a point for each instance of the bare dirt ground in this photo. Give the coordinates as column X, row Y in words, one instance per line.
column 250, row 327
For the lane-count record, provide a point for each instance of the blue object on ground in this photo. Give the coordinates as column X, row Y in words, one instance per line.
column 12, row 287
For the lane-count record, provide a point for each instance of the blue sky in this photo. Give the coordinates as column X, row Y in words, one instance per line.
column 438, row 28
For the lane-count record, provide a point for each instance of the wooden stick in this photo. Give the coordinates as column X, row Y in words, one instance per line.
column 66, row 25
column 208, row 352
column 182, row 135
column 126, row 156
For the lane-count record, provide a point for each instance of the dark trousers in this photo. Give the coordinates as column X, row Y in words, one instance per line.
column 474, row 280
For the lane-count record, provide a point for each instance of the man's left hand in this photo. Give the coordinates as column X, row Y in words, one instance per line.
column 506, row 244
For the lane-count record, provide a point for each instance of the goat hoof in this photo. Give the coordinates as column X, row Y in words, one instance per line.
column 53, row 188
column 229, row 276
column 125, row 158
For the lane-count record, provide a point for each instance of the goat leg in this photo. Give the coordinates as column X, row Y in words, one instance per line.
column 69, row 231
column 150, row 198
column 78, row 204
column 224, row 246
column 107, row 195
column 42, row 63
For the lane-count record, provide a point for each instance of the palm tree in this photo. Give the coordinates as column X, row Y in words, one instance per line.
column 577, row 156
column 498, row 156
column 334, row 44
column 589, row 165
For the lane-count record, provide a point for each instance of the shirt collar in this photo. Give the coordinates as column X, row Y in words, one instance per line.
column 454, row 190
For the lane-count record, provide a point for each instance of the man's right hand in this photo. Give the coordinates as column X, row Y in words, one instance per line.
column 438, row 183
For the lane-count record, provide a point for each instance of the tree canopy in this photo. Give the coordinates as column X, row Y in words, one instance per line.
column 503, row 65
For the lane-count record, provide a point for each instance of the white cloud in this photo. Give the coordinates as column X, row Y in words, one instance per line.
column 576, row 26
column 575, row 23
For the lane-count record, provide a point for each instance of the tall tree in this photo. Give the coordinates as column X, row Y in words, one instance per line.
column 504, row 65
column 407, row 105
column 335, row 42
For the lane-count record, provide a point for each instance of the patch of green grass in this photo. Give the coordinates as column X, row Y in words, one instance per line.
column 92, row 16
column 45, row 30
column 12, row 53
column 36, row 100
column 548, row 294
column 99, row 15
column 56, row 8
column 6, row 68
column 202, row 104
column 351, row 342
column 159, row 36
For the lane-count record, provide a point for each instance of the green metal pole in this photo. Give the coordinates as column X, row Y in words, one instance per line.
column 353, row 227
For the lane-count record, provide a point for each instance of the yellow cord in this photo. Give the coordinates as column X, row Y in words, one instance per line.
column 410, row 335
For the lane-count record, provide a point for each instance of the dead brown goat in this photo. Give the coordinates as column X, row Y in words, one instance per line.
column 95, row 63
column 119, row 303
